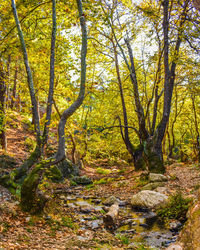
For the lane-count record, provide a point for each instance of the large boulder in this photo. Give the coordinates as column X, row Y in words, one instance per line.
column 148, row 199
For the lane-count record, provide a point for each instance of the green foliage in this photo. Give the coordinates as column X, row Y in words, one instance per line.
column 176, row 208
column 103, row 171
column 57, row 224
column 54, row 174
column 73, row 183
column 30, row 144
column 124, row 239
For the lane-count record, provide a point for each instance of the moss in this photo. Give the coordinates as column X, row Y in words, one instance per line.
column 31, row 200
column 176, row 208
column 68, row 169
column 21, row 172
column 103, row 171
column 8, row 183
column 83, row 180
column 30, row 144
column 54, row 174
column 139, row 162
column 7, row 162
column 153, row 158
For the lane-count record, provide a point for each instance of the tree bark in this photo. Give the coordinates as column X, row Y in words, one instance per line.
column 3, row 140
column 29, row 76
column 13, row 97
column 68, row 112
column 52, row 76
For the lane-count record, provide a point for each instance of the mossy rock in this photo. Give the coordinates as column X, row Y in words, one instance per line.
column 54, row 174
column 82, row 180
column 153, row 185
column 68, row 169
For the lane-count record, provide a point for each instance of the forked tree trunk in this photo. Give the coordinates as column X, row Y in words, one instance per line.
column 70, row 111
column 32, row 199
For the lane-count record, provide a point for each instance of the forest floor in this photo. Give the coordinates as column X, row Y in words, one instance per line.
column 77, row 224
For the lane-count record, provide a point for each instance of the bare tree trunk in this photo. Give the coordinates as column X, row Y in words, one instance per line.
column 68, row 112
column 8, row 82
column 3, row 141
column 196, row 128
column 29, row 76
column 52, row 77
column 13, row 97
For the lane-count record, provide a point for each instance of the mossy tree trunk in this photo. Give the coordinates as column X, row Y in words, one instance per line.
column 32, row 199
column 153, row 156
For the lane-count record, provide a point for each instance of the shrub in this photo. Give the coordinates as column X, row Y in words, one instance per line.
column 176, row 208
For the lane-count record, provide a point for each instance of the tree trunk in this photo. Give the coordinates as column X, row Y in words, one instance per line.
column 29, row 76
column 33, row 200
column 70, row 111
column 153, row 156
column 52, row 77
column 13, row 97
column 3, row 141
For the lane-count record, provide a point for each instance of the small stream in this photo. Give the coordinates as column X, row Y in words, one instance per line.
column 131, row 223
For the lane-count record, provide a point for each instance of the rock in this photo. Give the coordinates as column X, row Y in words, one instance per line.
column 68, row 169
column 149, row 215
column 110, row 201
column 153, row 185
column 144, row 225
column 82, row 180
column 28, row 219
column 82, row 203
column 174, row 226
column 157, row 177
column 190, row 235
column 162, row 190
column 86, row 210
column 81, row 238
column 96, row 201
column 148, row 199
column 174, row 247
column 94, row 224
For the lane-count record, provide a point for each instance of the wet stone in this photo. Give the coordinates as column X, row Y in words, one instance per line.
column 81, row 238
column 110, row 201
column 86, row 210
column 94, row 224
column 96, row 201
column 144, row 225
column 71, row 205
column 129, row 222
column 175, row 226
column 123, row 203
column 149, row 215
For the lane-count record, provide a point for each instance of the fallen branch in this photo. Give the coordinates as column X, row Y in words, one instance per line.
column 109, row 219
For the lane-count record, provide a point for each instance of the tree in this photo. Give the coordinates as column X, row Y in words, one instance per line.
column 151, row 131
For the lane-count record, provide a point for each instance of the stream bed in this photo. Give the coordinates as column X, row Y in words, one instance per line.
column 89, row 211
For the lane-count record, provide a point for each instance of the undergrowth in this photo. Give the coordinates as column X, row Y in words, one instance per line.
column 176, row 208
